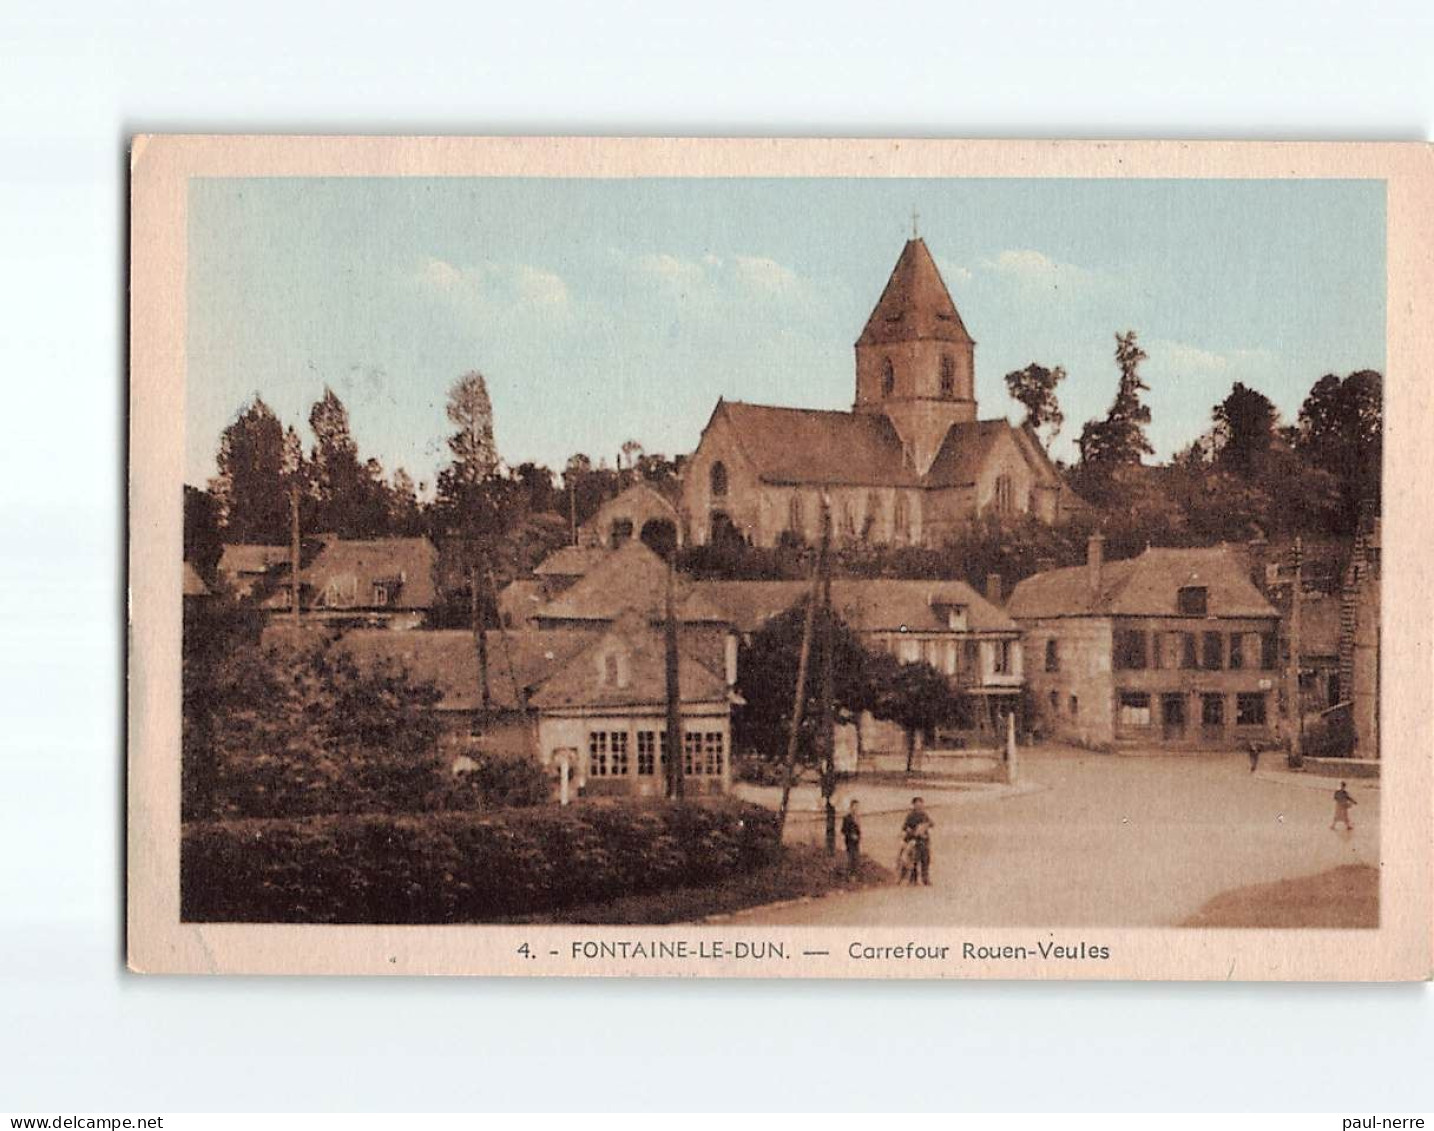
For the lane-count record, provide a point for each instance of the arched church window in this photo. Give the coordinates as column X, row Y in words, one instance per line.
column 719, row 480
column 1005, row 496
column 901, row 520
column 796, row 515
column 948, row 376
column 871, row 525
column 888, row 378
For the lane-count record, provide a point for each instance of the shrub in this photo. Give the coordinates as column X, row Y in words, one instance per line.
column 454, row 867
column 498, row 780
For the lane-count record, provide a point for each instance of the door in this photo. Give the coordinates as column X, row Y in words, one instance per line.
column 1172, row 716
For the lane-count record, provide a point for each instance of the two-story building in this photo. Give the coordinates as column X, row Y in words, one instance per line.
column 1175, row 648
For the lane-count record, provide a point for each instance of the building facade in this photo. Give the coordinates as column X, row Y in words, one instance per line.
column 909, row 465
column 1175, row 648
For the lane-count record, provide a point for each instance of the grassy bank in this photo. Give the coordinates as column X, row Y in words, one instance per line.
column 1345, row 897
column 803, row 871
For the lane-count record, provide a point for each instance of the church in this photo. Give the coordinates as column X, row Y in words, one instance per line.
column 909, row 465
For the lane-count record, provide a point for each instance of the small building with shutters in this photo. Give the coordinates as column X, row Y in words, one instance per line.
column 1172, row 649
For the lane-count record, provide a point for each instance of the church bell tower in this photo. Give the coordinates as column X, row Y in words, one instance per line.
column 915, row 362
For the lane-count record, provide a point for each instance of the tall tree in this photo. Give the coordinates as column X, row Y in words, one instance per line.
column 339, row 482
column 1119, row 439
column 475, row 454
column 1245, row 424
column 251, row 484
column 1341, row 432
column 203, row 543
column 1034, row 388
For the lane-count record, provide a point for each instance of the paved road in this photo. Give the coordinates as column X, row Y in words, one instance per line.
column 1119, row 841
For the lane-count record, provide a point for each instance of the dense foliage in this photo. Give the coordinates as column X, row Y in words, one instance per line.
column 463, row 867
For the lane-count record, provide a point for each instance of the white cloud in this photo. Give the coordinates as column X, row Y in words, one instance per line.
column 1181, row 357
column 493, row 289
column 732, row 287
column 1031, row 268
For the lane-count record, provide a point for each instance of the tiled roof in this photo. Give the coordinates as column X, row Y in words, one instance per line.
column 915, row 303
column 801, row 445
column 250, row 558
column 866, row 604
column 641, row 663
column 353, row 567
column 570, row 561
column 629, row 579
column 449, row 660
column 1144, row 586
column 194, row 584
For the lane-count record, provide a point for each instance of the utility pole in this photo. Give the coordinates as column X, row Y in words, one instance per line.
column 828, row 719
column 480, row 637
column 573, row 508
column 1292, row 687
column 675, row 773
column 799, row 697
column 294, row 548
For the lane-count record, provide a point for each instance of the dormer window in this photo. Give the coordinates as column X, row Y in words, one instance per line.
column 1193, row 601
column 888, row 378
column 948, row 376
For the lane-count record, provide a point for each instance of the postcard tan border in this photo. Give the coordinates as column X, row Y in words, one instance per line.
column 160, row 169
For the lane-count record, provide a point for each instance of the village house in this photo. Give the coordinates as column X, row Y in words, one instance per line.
column 345, row 583
column 595, row 700
column 1175, row 648
column 1359, row 659
column 909, row 465
column 643, row 510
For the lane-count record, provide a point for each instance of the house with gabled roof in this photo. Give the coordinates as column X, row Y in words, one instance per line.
column 644, row 510
column 1174, row 648
column 594, row 699
column 908, row 465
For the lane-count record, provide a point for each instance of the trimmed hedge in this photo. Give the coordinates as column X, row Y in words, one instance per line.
column 457, row 867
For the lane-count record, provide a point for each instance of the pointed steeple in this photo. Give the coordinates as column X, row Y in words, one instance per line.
column 915, row 306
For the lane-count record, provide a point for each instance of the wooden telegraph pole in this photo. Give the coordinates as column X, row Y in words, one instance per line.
column 480, row 637
column 799, row 697
column 828, row 717
column 676, row 786
column 294, row 548
column 1292, row 686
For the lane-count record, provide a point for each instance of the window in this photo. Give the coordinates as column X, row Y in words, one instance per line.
column 621, row 531
column 610, row 669
column 796, row 514
column 888, row 378
column 1237, row 651
column 1053, row 656
column 1130, row 649
column 1134, row 709
column 1189, row 654
column 901, row 519
column 691, row 753
column 617, row 741
column 1192, row 601
column 1250, row 709
column 1212, row 710
column 597, row 754
column 1055, row 702
column 848, row 520
column 1213, row 655
column 380, row 593
column 718, row 480
column 1002, row 657
column 873, row 515
column 948, row 376
column 1269, row 651
column 1005, row 497
column 712, row 753
column 1075, row 706
column 646, row 753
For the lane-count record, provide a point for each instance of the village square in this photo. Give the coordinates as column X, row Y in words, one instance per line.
column 1125, row 692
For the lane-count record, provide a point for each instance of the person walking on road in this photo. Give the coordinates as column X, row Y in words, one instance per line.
column 1342, row 802
column 1254, row 756
column 851, row 834
column 916, row 831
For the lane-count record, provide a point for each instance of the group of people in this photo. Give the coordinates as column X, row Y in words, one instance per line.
column 913, row 863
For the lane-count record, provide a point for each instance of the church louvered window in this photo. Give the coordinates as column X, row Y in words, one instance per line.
column 948, row 376
column 888, row 378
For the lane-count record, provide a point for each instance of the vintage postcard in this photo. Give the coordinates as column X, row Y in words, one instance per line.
column 774, row 559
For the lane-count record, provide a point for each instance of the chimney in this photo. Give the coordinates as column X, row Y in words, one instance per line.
column 993, row 588
column 1094, row 560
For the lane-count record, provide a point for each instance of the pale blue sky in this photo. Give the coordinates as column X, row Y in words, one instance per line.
column 601, row 311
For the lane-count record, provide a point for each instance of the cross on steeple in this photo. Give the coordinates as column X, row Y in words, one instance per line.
column 915, row 218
